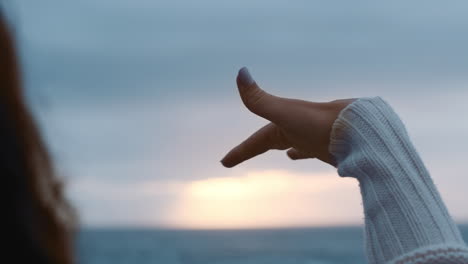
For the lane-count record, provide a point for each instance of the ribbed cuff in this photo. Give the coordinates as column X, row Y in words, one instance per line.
column 339, row 136
column 403, row 209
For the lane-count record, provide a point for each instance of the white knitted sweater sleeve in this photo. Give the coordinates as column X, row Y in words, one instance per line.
column 405, row 218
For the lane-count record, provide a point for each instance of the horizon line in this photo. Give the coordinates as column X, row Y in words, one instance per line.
column 169, row 228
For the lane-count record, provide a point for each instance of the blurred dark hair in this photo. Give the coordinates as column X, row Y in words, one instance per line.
column 39, row 220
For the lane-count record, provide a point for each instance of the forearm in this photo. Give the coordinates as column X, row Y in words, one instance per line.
column 405, row 217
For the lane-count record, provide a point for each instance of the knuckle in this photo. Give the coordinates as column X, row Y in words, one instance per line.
column 255, row 97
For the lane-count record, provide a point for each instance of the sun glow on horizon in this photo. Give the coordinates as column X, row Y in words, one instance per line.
column 266, row 199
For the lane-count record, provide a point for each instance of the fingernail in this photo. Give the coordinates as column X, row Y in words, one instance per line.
column 244, row 77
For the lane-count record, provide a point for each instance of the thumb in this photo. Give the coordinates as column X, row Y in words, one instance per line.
column 257, row 100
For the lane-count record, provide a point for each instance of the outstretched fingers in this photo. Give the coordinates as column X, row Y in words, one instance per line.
column 266, row 138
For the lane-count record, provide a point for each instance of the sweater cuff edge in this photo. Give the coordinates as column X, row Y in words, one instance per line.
column 337, row 147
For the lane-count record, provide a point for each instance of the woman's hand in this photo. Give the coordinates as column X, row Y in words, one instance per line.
column 300, row 126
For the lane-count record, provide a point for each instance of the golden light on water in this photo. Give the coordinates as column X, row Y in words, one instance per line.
column 267, row 199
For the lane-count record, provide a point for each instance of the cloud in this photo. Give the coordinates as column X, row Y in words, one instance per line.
column 271, row 198
column 145, row 91
column 268, row 199
column 113, row 151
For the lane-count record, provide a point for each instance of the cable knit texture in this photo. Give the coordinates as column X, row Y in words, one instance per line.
column 405, row 218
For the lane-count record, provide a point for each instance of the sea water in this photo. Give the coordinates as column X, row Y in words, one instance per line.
column 285, row 246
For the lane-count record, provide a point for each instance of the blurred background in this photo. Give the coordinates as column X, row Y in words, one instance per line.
column 138, row 103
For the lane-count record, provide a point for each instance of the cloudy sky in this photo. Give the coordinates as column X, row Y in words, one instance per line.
column 137, row 100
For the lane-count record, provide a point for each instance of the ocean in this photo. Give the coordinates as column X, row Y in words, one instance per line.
column 285, row 246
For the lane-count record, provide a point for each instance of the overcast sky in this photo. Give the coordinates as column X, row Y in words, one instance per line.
column 137, row 100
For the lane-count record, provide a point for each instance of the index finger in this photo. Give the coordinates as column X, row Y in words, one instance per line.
column 266, row 138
